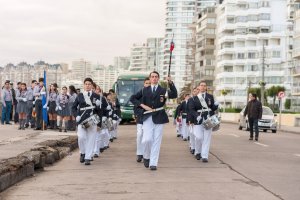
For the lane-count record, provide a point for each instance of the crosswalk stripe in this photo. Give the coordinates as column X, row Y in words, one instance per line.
column 264, row 145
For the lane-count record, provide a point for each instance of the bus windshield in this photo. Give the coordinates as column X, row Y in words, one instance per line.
column 126, row 88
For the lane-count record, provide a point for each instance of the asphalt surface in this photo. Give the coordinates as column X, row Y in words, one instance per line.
column 237, row 169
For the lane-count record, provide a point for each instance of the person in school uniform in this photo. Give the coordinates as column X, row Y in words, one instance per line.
column 7, row 101
column 201, row 107
column 87, row 106
column 183, row 111
column 153, row 99
column 177, row 120
column 22, row 97
column 51, row 105
column 138, row 113
column 72, row 95
column 30, row 119
column 106, row 125
column 63, row 110
column 191, row 121
column 39, row 91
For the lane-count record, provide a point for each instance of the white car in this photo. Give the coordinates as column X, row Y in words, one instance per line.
column 267, row 122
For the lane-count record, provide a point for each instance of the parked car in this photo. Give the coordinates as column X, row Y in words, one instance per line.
column 267, row 122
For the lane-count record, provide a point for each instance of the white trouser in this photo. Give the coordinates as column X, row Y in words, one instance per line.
column 102, row 139
column 106, row 137
column 86, row 140
column 115, row 128
column 202, row 140
column 184, row 131
column 192, row 136
column 97, row 143
column 152, row 137
column 177, row 128
column 139, row 137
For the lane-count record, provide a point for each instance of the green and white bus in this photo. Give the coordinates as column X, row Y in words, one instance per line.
column 126, row 85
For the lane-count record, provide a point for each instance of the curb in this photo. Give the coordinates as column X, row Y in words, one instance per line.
column 14, row 170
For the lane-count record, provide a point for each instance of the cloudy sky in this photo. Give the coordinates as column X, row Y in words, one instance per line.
column 63, row 30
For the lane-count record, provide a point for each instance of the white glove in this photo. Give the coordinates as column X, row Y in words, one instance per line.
column 110, row 113
column 59, row 108
column 45, row 106
column 216, row 103
column 115, row 115
column 108, row 107
column 104, row 118
column 4, row 105
column 33, row 102
column 42, row 93
column 56, row 109
column 24, row 99
column 199, row 118
column 78, row 118
column 98, row 102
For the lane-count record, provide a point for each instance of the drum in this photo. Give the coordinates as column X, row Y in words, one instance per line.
column 211, row 122
column 91, row 121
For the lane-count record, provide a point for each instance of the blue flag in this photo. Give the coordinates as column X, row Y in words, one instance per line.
column 44, row 100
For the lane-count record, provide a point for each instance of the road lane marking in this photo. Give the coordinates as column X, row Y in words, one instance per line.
column 264, row 145
column 297, row 155
column 234, row 135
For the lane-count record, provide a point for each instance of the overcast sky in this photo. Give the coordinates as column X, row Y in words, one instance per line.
column 64, row 30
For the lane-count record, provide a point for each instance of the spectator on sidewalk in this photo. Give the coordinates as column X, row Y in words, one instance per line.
column 254, row 112
column 6, row 98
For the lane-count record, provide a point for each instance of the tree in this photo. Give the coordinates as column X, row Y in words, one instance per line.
column 273, row 92
column 185, row 90
column 287, row 104
column 163, row 84
column 224, row 93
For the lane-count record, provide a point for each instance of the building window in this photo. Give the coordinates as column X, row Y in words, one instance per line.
column 241, row 56
column 251, row 55
column 264, row 16
column 276, row 54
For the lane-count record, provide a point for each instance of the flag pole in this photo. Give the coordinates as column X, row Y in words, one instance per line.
column 171, row 51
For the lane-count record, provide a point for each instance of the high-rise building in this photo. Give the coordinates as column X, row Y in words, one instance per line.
column 81, row 69
column 251, row 47
column 139, row 57
column 122, row 63
column 153, row 53
column 179, row 16
column 104, row 76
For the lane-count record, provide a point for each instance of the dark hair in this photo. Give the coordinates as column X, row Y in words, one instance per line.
column 94, row 85
column 254, row 95
column 186, row 95
column 78, row 90
column 22, row 83
column 155, row 72
column 64, row 87
column 72, row 89
column 203, row 81
column 41, row 79
column 88, row 80
column 33, row 81
column 146, row 79
column 55, row 88
column 104, row 94
column 19, row 83
column 7, row 82
column 111, row 91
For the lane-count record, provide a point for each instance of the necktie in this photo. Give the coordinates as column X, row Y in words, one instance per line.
column 153, row 89
column 89, row 94
column 203, row 95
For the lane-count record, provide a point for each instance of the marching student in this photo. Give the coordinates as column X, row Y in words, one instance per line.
column 22, row 97
column 138, row 113
column 51, row 105
column 62, row 108
column 183, row 112
column 106, row 125
column 177, row 120
column 202, row 106
column 190, row 121
column 86, row 110
column 152, row 100
column 38, row 92
column 72, row 95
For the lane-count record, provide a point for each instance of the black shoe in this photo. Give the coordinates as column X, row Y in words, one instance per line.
column 256, row 139
column 92, row 159
column 178, row 135
column 101, row 150
column 65, row 130
column 184, row 139
column 153, row 168
column 19, row 128
column 198, row 156
column 139, row 158
column 205, row 160
column 115, row 138
column 111, row 140
column 37, row 129
column 96, row 156
column 146, row 162
column 87, row 162
column 32, row 126
column 60, row 130
column 251, row 138
column 26, row 125
column 193, row 151
column 8, row 123
column 82, row 158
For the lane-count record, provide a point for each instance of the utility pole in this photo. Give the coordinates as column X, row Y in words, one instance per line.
column 248, row 91
column 262, row 89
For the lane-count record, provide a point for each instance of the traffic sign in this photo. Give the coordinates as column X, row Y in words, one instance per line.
column 280, row 94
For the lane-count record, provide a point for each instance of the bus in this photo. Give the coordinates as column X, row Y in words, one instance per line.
column 126, row 85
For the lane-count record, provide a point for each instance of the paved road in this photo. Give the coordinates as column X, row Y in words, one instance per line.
column 237, row 169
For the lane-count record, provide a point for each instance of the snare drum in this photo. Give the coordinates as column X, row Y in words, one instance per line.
column 91, row 121
column 211, row 122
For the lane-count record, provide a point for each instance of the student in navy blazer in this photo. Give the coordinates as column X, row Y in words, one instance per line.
column 152, row 99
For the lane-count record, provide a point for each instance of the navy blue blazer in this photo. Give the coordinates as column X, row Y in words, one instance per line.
column 183, row 109
column 195, row 105
column 155, row 100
